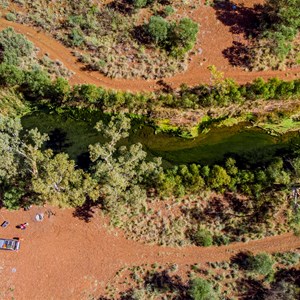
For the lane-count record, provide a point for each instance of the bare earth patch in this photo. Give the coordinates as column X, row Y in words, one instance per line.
column 64, row 257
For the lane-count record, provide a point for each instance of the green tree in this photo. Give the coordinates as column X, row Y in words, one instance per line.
column 158, row 29
column 60, row 90
column 37, row 84
column 60, row 183
column 218, row 177
column 122, row 172
column 87, row 93
column 186, row 33
column 201, row 289
column 19, row 159
column 19, row 153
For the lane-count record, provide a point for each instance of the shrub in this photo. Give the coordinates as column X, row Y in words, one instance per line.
column 201, row 289
column 14, row 47
column 202, row 237
column 158, row 29
column 10, row 75
column 261, row 264
column 11, row 17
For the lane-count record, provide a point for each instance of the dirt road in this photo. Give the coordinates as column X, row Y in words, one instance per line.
column 65, row 258
column 211, row 54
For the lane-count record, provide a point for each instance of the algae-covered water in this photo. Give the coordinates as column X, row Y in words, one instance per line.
column 74, row 135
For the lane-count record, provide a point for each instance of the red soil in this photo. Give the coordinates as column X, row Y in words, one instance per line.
column 63, row 257
column 66, row 258
column 213, row 38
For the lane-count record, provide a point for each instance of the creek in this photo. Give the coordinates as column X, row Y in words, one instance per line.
column 73, row 134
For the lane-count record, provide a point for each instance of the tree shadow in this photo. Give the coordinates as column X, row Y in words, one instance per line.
column 125, row 7
column 238, row 54
column 57, row 141
column 83, row 161
column 164, row 282
column 241, row 259
column 243, row 21
column 140, row 34
column 165, row 87
column 251, row 289
column 86, row 211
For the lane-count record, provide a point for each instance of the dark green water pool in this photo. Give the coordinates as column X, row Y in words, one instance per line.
column 75, row 135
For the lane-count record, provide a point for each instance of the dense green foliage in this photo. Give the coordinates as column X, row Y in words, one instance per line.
column 122, row 173
column 253, row 180
column 30, row 175
column 201, row 289
column 177, row 38
column 36, row 85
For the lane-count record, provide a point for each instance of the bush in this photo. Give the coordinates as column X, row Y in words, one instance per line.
column 10, row 75
column 14, row 47
column 202, row 237
column 201, row 289
column 261, row 264
column 11, row 17
column 158, row 29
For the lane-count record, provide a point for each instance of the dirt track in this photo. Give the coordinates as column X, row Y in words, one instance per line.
column 61, row 257
column 211, row 53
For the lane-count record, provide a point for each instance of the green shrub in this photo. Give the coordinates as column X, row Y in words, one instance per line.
column 202, row 237
column 11, row 17
column 261, row 264
column 201, row 289
column 158, row 29
column 14, row 47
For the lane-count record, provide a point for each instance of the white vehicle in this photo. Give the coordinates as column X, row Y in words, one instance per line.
column 10, row 244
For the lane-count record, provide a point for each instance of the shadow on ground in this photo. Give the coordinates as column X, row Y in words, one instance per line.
column 244, row 25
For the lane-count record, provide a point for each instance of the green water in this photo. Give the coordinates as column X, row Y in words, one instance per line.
column 74, row 136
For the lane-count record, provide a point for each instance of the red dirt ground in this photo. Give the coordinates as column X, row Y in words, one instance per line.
column 213, row 38
column 66, row 258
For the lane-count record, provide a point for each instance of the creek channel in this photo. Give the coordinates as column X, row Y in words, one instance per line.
column 73, row 134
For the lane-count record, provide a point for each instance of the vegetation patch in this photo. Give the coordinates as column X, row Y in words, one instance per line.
column 117, row 38
column 224, row 280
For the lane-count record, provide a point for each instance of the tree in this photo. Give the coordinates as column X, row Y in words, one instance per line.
column 60, row 183
column 201, row 289
column 36, row 84
column 25, row 168
column 185, row 33
column 87, row 93
column 158, row 29
column 60, row 90
column 218, row 177
column 19, row 154
column 19, row 158
column 10, row 75
column 122, row 172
